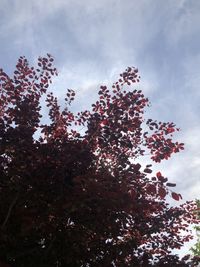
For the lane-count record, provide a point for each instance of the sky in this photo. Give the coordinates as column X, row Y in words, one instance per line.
column 93, row 41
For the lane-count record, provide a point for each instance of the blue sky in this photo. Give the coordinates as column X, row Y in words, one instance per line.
column 94, row 40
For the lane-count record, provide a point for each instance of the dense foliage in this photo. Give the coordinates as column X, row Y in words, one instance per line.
column 196, row 248
column 72, row 199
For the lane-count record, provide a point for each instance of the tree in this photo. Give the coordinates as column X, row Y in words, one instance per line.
column 196, row 248
column 72, row 199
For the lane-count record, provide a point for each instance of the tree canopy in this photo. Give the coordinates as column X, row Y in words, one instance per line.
column 83, row 199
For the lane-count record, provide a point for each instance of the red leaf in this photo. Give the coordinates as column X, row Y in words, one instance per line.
column 170, row 130
column 175, row 196
column 151, row 189
column 104, row 122
column 162, row 192
column 161, row 178
column 158, row 174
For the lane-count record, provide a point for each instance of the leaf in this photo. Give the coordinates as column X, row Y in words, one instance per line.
column 162, row 192
column 151, row 189
column 137, row 167
column 170, row 184
column 175, row 196
column 160, row 177
column 147, row 170
column 158, row 174
column 149, row 165
column 104, row 122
